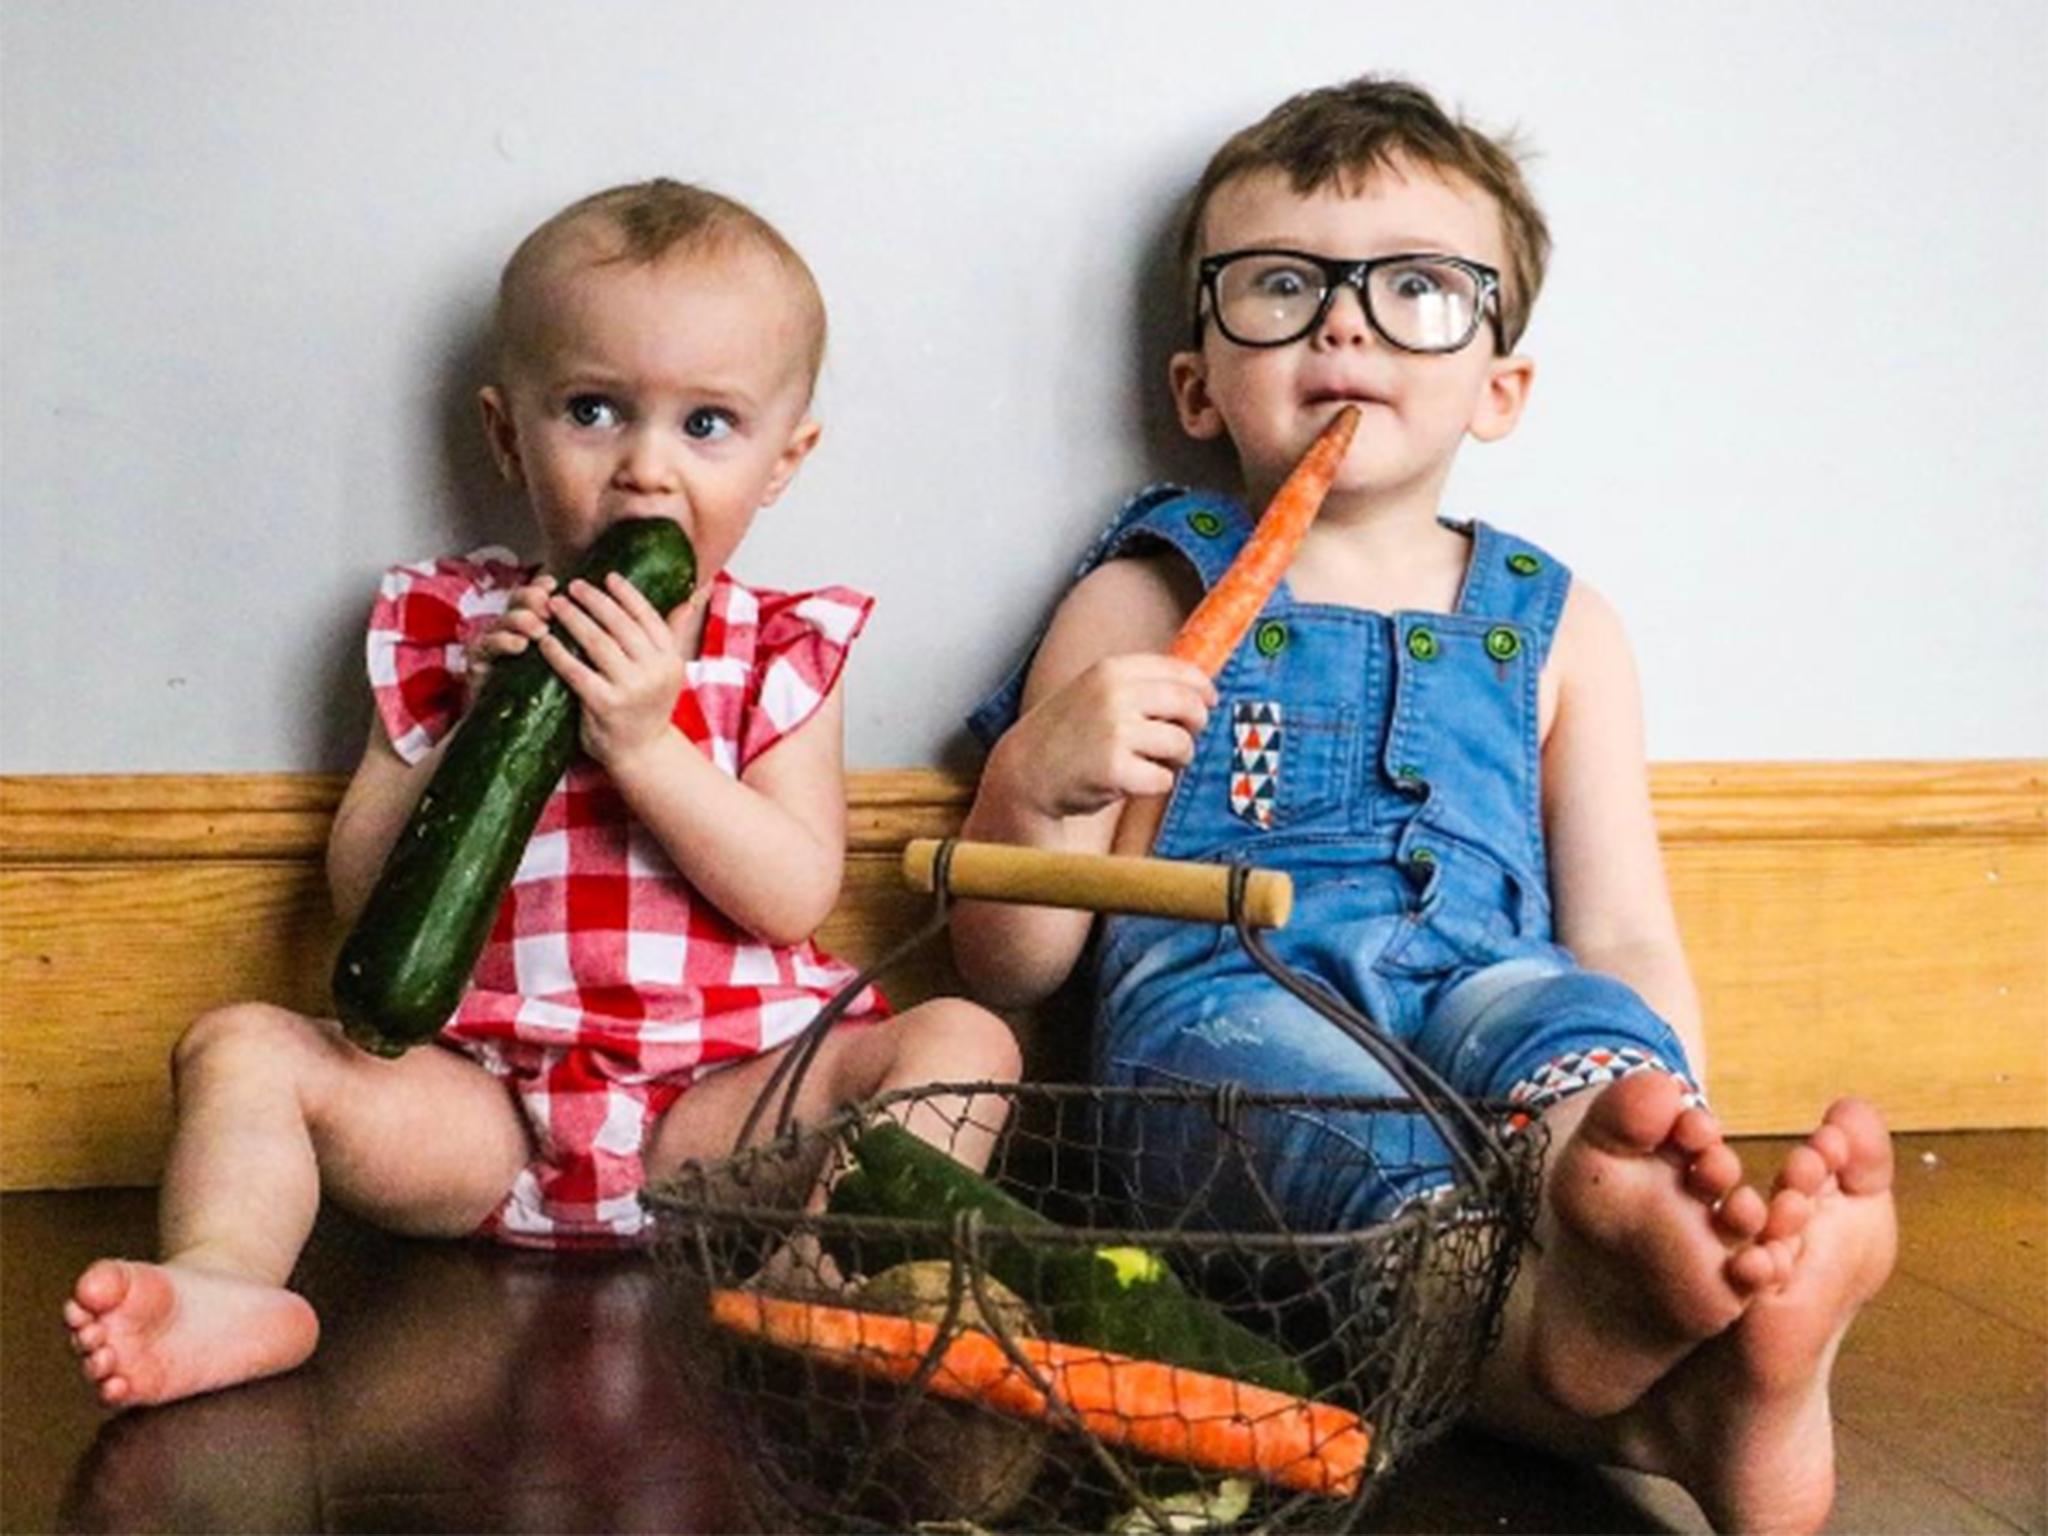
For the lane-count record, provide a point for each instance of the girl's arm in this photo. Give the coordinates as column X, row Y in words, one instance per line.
column 768, row 848
column 1105, row 716
column 1607, row 880
column 385, row 787
column 371, row 815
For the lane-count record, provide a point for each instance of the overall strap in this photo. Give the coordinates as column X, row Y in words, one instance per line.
column 1205, row 527
column 1512, row 581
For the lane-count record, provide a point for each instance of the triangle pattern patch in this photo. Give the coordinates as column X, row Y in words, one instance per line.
column 1256, row 747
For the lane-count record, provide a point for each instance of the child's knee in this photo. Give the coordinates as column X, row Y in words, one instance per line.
column 240, row 1040
column 973, row 1042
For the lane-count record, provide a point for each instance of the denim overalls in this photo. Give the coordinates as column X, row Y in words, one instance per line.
column 1389, row 764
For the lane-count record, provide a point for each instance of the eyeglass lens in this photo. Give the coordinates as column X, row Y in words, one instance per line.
column 1423, row 303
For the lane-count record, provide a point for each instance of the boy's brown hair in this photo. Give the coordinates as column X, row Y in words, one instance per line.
column 651, row 219
column 1339, row 134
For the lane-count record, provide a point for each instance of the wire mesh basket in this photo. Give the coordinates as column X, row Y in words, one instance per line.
column 1113, row 1326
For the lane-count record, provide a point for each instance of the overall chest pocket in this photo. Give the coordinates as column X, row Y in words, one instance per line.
column 1264, row 765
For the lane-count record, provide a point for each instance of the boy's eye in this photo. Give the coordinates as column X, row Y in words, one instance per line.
column 1282, row 282
column 591, row 411
column 707, row 425
column 1413, row 282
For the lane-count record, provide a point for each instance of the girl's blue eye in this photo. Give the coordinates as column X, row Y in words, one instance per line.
column 591, row 411
column 706, row 424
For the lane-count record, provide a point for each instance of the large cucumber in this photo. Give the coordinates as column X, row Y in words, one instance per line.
column 403, row 968
column 1122, row 1299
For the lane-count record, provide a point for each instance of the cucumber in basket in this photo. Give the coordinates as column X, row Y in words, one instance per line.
column 1123, row 1299
column 404, row 966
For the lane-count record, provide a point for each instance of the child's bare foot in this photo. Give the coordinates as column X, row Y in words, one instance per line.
column 1648, row 1245
column 1744, row 1421
column 149, row 1333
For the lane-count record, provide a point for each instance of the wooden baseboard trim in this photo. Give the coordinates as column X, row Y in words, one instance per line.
column 1874, row 927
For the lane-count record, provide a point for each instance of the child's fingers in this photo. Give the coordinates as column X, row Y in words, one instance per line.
column 631, row 636
column 508, row 639
column 1174, row 702
column 1143, row 776
column 532, row 597
column 586, row 631
column 584, row 680
column 1155, row 674
column 634, row 602
column 1161, row 742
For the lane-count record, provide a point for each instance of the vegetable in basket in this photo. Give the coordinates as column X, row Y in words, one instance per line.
column 404, row 966
column 1124, row 1299
column 1146, row 1406
column 957, row 1460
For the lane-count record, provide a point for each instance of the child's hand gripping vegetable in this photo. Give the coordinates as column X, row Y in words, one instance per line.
column 1226, row 612
column 402, row 970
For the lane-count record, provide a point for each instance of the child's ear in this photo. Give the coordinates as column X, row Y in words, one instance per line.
column 802, row 439
column 1187, row 375
column 501, row 433
column 1500, row 405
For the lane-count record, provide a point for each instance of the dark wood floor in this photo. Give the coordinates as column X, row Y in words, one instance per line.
column 462, row 1388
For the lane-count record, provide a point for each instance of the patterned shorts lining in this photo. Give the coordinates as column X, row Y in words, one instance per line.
column 1576, row 1071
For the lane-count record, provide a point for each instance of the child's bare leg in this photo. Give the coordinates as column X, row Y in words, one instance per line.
column 1645, row 1246
column 269, row 1106
column 944, row 1040
column 1743, row 1422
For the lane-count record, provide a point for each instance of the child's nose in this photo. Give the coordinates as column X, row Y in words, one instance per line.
column 648, row 465
column 1344, row 323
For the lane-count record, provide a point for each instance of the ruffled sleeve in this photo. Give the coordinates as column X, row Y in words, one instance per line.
column 800, row 652
column 425, row 616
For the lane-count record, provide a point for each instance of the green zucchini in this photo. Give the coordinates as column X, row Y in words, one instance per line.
column 1123, row 1299
column 404, row 966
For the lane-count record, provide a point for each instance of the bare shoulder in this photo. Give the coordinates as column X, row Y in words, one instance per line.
column 1592, row 641
column 1135, row 603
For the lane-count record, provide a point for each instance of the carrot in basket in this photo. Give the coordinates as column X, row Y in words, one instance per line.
column 1213, row 630
column 1158, row 1410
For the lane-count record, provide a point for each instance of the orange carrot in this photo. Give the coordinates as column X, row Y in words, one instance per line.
column 1160, row 1410
column 1226, row 611
column 1213, row 630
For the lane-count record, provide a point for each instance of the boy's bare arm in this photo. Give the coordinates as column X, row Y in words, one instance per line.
column 1106, row 715
column 1613, row 905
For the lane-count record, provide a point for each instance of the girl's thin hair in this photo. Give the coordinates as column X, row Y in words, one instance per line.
column 651, row 220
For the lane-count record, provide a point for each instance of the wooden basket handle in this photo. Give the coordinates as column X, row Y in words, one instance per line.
column 1099, row 882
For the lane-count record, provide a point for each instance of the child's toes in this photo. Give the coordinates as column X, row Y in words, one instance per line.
column 1806, row 1169
column 1786, row 1215
column 1740, row 1217
column 1752, row 1269
column 1713, row 1175
column 1830, row 1143
column 1696, row 1131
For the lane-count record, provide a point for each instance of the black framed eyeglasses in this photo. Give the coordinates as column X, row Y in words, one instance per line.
column 1418, row 301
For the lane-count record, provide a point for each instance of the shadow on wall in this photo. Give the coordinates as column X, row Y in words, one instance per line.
column 470, row 506
column 1159, row 316
column 1163, row 310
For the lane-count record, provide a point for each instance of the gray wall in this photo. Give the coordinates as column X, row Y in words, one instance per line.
column 1789, row 411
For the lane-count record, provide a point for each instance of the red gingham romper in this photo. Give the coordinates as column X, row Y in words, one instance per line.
column 608, row 984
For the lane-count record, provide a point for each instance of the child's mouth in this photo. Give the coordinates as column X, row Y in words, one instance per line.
column 1341, row 397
